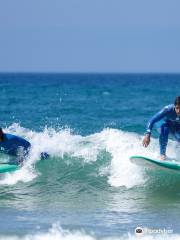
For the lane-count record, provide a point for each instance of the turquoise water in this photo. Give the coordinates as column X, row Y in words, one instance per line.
column 90, row 124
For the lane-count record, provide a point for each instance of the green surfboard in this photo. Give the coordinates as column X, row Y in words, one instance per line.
column 148, row 162
column 5, row 167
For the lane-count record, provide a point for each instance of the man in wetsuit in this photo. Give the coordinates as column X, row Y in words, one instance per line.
column 14, row 145
column 168, row 120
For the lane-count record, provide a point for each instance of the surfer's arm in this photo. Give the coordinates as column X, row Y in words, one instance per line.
column 157, row 117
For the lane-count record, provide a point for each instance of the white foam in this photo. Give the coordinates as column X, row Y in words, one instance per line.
column 58, row 233
column 55, row 233
column 121, row 145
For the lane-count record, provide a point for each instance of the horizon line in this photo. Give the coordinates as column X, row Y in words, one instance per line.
column 83, row 72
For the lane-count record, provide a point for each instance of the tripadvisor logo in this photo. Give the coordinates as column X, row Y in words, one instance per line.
column 138, row 231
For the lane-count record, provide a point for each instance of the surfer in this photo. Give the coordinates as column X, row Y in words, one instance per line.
column 16, row 146
column 167, row 122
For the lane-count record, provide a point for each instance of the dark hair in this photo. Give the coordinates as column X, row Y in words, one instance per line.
column 1, row 133
column 177, row 101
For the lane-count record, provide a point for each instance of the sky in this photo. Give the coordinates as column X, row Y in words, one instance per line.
column 90, row 36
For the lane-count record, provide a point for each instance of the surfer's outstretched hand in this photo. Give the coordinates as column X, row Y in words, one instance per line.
column 146, row 140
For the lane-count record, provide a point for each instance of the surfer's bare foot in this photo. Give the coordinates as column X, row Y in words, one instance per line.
column 163, row 157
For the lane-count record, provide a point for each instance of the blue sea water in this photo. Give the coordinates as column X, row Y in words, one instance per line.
column 90, row 124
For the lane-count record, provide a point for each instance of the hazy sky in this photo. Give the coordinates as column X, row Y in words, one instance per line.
column 90, row 35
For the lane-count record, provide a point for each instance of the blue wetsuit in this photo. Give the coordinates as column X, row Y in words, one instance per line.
column 168, row 122
column 17, row 146
column 12, row 144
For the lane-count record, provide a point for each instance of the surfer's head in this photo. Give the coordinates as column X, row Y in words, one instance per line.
column 177, row 105
column 1, row 134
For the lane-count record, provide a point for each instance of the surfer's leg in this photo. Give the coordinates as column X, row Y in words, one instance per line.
column 177, row 137
column 163, row 138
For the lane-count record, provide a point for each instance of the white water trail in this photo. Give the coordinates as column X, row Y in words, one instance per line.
column 121, row 145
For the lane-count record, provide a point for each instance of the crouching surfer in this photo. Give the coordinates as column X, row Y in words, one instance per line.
column 167, row 122
column 16, row 146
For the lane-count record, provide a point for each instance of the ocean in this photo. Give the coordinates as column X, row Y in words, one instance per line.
column 88, row 189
